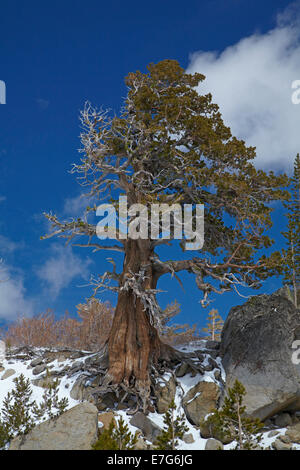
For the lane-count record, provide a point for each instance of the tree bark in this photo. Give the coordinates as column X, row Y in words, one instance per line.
column 134, row 344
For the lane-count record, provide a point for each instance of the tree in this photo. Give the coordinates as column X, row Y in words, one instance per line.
column 291, row 255
column 175, row 429
column 231, row 421
column 175, row 334
column 214, row 325
column 168, row 146
column 116, row 437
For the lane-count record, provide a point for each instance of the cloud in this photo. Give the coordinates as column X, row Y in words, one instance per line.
column 62, row 268
column 13, row 301
column 251, row 81
column 2, row 199
column 9, row 246
column 75, row 206
column 42, row 104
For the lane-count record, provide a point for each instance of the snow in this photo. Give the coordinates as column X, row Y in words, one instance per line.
column 186, row 383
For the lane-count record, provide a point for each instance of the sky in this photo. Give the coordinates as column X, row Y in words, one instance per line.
column 54, row 56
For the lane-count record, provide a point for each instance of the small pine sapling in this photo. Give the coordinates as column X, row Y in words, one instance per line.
column 214, row 326
column 174, row 430
column 116, row 437
column 51, row 407
column 232, row 423
column 16, row 418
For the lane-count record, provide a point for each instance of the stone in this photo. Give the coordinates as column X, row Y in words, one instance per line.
column 76, row 429
column 8, row 373
column 283, row 420
column 273, row 433
column 188, row 438
column 39, row 369
column 182, row 370
column 200, row 400
column 213, row 444
column 45, row 382
column 164, row 393
column 105, row 419
column 285, row 439
column 279, row 445
column 256, row 349
column 293, row 432
column 149, row 429
column 36, row 362
column 141, row 444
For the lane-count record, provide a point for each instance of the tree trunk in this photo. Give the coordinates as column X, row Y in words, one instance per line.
column 134, row 344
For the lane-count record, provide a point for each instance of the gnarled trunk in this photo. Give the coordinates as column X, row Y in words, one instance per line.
column 134, row 344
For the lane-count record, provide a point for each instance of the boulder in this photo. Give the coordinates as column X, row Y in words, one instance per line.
column 104, row 419
column 256, row 349
column 164, row 393
column 76, row 429
column 283, row 420
column 36, row 362
column 39, row 369
column 213, row 444
column 293, row 432
column 279, row 445
column 8, row 373
column 149, row 429
column 188, row 438
column 200, row 400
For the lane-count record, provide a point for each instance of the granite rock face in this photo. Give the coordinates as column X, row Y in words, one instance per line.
column 258, row 349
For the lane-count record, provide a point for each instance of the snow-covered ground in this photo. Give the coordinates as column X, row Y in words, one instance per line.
column 185, row 384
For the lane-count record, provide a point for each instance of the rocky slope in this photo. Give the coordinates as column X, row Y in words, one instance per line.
column 256, row 348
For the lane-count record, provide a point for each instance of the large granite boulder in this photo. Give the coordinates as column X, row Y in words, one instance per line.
column 257, row 349
column 76, row 429
column 200, row 401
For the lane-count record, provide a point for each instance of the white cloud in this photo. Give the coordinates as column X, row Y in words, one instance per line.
column 2, row 199
column 251, row 81
column 13, row 301
column 75, row 206
column 62, row 268
column 8, row 246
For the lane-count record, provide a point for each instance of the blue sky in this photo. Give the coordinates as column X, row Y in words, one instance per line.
column 56, row 55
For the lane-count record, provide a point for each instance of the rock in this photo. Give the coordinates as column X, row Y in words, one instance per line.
column 149, row 429
column 105, row 419
column 213, row 444
column 8, row 373
column 2, row 369
column 39, row 369
column 45, row 382
column 182, row 370
column 76, row 429
column 36, row 362
column 273, row 433
column 200, row 400
column 256, row 349
column 188, row 438
column 141, row 444
column 164, row 393
column 212, row 344
column 293, row 432
column 283, row 420
column 217, row 374
column 208, row 431
column 278, row 445
column 285, row 439
column 81, row 392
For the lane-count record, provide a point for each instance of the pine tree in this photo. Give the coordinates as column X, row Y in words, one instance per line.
column 231, row 421
column 51, row 407
column 116, row 437
column 291, row 255
column 16, row 417
column 214, row 326
column 175, row 429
